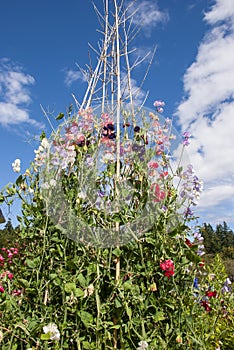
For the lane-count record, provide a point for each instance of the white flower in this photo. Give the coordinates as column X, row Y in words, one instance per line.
column 142, row 345
column 89, row 291
column 16, row 166
column 81, row 195
column 45, row 186
column 53, row 183
column 45, row 143
column 108, row 157
column 53, row 330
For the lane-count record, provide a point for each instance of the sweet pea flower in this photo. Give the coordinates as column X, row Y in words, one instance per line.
column 168, row 267
column 17, row 292
column 53, row 330
column 16, row 165
column 211, row 294
column 2, row 289
column 143, row 345
column 159, row 103
column 153, row 165
column 227, row 286
column 186, row 136
column 10, row 275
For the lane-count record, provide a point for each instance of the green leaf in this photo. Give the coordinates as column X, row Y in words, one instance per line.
column 78, row 293
column 159, row 316
column 117, row 252
column 88, row 346
column 118, row 303
column 1, row 198
column 86, row 318
column 43, row 135
column 128, row 311
column 24, row 282
column 82, row 280
column 60, row 116
column 19, row 180
column 14, row 347
column 45, row 336
column 70, row 287
column 32, row 264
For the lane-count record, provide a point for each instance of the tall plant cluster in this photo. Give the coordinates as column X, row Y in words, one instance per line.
column 108, row 255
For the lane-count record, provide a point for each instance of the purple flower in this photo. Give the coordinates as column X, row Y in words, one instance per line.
column 186, row 136
column 160, row 110
column 188, row 212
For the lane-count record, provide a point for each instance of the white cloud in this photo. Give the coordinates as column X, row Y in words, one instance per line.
column 73, row 75
column 148, row 14
column 138, row 93
column 15, row 95
column 207, row 110
column 221, row 10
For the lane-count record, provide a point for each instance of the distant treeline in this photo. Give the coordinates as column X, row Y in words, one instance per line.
column 218, row 240
column 8, row 235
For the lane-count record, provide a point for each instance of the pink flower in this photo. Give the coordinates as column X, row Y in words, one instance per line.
column 153, row 165
column 17, row 292
column 2, row 289
column 9, row 254
column 158, row 194
column 168, row 267
column 159, row 103
column 10, row 275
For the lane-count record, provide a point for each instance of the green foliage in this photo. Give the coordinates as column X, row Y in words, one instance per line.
column 61, row 294
column 219, row 240
column 8, row 235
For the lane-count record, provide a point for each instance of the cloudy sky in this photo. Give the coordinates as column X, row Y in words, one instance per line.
column 43, row 43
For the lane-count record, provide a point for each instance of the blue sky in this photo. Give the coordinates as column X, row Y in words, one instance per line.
column 193, row 72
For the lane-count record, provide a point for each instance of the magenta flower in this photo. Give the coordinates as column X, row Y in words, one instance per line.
column 158, row 194
column 186, row 136
column 2, row 289
column 17, row 292
column 10, row 275
column 168, row 267
column 153, row 165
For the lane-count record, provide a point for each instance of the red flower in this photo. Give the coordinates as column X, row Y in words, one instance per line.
column 211, row 294
column 188, row 242
column 168, row 267
column 202, row 263
column 206, row 305
column 1, row 289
